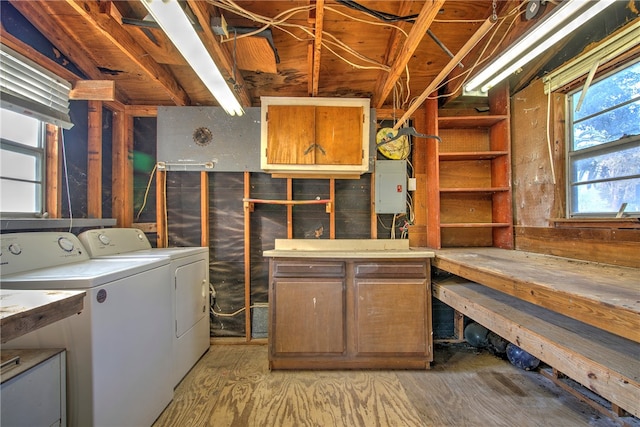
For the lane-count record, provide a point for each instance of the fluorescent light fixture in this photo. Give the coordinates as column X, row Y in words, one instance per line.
column 176, row 25
column 564, row 19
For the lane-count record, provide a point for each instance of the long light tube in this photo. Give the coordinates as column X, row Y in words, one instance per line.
column 175, row 24
column 567, row 17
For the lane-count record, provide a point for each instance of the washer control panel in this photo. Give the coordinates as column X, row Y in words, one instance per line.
column 113, row 241
column 29, row 251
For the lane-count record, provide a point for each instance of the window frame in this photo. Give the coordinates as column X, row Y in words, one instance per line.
column 38, row 152
column 594, row 151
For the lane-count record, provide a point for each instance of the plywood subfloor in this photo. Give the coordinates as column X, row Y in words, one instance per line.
column 232, row 386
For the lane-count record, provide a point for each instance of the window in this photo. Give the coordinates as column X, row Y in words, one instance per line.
column 604, row 145
column 21, row 164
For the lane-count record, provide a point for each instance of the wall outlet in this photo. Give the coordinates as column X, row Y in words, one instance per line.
column 411, row 184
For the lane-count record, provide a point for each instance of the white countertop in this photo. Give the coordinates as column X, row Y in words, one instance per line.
column 347, row 248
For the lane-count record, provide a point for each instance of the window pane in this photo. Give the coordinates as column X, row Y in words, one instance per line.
column 607, row 197
column 19, row 128
column 607, row 127
column 16, row 196
column 611, row 165
column 614, row 90
column 18, row 166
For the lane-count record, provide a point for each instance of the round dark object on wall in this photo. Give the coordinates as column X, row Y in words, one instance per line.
column 202, row 136
column 476, row 335
column 521, row 359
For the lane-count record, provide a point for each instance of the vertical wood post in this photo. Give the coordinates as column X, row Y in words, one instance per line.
column 53, row 190
column 433, row 174
column 94, row 160
column 247, row 256
column 122, row 169
column 204, row 209
column 332, row 208
column 161, row 208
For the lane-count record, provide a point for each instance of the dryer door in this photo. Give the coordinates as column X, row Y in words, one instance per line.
column 192, row 288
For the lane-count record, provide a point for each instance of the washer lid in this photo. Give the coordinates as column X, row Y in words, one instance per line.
column 83, row 275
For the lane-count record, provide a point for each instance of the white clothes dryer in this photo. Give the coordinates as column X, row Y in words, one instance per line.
column 189, row 279
column 118, row 346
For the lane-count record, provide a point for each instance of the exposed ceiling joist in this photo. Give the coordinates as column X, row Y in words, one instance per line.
column 220, row 55
column 317, row 46
column 421, row 25
column 98, row 16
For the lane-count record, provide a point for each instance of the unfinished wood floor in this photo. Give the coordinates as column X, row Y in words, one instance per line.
column 232, row 386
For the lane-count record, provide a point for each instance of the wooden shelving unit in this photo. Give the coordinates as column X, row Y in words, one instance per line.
column 474, row 178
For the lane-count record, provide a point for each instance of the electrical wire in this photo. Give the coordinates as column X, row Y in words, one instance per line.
column 66, row 178
column 240, row 310
column 146, row 191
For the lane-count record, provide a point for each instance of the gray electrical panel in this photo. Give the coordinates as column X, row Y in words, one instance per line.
column 391, row 186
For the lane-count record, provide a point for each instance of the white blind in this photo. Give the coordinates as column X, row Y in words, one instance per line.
column 27, row 88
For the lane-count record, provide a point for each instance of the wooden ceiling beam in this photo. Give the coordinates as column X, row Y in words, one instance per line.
column 317, row 46
column 393, row 46
column 38, row 13
column 422, row 23
column 220, row 55
column 101, row 16
column 93, row 90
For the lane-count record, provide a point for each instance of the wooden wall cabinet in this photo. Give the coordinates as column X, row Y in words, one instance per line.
column 342, row 314
column 474, row 179
column 315, row 136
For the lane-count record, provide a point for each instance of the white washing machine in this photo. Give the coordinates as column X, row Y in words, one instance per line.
column 119, row 346
column 189, row 279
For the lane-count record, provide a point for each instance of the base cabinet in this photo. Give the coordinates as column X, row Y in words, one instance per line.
column 33, row 391
column 349, row 314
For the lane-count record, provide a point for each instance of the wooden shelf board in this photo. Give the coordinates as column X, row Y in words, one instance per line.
column 474, row 190
column 475, row 224
column 470, row 121
column 472, row 155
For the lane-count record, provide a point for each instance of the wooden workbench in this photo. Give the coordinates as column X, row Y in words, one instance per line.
column 24, row 311
column 601, row 295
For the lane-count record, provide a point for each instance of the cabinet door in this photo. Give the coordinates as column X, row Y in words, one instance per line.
column 339, row 135
column 308, row 316
column 291, row 135
column 392, row 316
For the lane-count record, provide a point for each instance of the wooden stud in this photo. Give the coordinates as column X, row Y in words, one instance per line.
column 247, row 258
column 53, row 202
column 373, row 216
column 94, row 160
column 204, row 209
column 434, row 239
column 331, row 208
column 122, row 169
column 289, row 209
column 161, row 208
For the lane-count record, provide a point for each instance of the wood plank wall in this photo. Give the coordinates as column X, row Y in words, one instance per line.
column 539, row 188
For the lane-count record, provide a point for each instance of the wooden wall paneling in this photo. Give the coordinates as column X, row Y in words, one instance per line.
column 53, row 194
column 94, row 160
column 611, row 246
column 432, row 187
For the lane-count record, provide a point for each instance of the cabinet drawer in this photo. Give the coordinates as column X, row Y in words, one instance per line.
column 391, row 269
column 308, row 269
